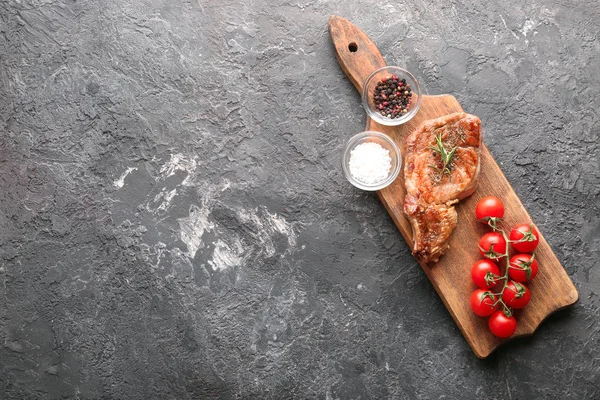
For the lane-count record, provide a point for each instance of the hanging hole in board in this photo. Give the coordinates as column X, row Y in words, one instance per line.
column 353, row 47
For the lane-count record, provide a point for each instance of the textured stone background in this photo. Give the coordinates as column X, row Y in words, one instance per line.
column 175, row 223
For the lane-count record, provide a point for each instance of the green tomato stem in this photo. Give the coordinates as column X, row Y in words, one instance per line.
column 507, row 311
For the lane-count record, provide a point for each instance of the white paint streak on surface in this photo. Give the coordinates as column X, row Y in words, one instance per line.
column 179, row 162
column 192, row 227
column 283, row 227
column 166, row 197
column 233, row 250
column 121, row 181
column 226, row 185
column 504, row 22
column 527, row 27
column 226, row 255
column 262, row 235
column 267, row 225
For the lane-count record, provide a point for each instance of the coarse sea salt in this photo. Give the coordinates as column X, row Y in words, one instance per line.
column 370, row 163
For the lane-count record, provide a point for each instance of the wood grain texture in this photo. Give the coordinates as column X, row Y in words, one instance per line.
column 551, row 290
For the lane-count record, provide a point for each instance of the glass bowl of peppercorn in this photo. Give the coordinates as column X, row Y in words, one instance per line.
column 391, row 96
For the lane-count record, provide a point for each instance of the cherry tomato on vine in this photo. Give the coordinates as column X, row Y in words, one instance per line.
column 492, row 245
column 485, row 274
column 501, row 325
column 489, row 207
column 482, row 303
column 516, row 295
column 524, row 238
column 523, row 267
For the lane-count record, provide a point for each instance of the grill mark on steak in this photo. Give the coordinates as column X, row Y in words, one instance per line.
column 430, row 194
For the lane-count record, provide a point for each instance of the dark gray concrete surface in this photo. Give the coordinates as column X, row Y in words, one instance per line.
column 176, row 225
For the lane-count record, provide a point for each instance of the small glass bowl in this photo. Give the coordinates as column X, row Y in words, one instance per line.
column 387, row 143
column 369, row 89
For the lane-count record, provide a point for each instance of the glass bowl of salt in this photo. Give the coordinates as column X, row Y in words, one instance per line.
column 371, row 160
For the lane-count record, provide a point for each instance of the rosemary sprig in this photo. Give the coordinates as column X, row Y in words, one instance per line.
column 445, row 155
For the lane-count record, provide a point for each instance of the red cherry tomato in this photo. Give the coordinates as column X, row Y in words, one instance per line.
column 492, row 245
column 516, row 295
column 524, row 238
column 489, row 207
column 523, row 267
column 485, row 274
column 501, row 325
column 482, row 303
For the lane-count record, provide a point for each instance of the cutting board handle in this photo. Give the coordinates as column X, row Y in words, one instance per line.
column 357, row 54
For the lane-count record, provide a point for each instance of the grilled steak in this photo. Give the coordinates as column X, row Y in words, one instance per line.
column 441, row 167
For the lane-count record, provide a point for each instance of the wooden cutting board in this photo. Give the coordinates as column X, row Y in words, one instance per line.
column 552, row 288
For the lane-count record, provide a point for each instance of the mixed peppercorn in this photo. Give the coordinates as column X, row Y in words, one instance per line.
column 392, row 97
